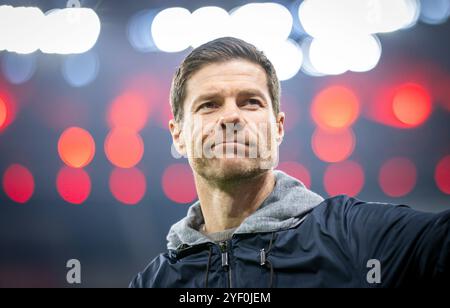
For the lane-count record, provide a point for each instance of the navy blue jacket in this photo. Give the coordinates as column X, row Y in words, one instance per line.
column 341, row 243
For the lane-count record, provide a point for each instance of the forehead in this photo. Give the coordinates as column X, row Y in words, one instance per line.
column 227, row 76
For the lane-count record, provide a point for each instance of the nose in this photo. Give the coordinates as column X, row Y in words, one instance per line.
column 231, row 117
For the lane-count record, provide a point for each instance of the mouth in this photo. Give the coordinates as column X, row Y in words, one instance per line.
column 230, row 143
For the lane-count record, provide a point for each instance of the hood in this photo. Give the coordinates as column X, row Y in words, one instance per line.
column 284, row 208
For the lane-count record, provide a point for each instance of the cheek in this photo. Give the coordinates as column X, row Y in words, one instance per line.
column 196, row 131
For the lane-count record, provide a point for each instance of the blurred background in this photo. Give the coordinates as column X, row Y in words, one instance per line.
column 87, row 166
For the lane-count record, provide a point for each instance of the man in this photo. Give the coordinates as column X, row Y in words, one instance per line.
column 254, row 226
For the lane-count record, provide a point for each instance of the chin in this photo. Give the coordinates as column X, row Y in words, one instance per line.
column 227, row 169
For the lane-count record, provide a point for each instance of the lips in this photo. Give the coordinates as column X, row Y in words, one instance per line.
column 232, row 142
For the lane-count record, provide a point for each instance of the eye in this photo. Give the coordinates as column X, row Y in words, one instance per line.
column 253, row 101
column 207, row 105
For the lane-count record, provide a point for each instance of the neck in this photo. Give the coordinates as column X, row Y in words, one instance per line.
column 226, row 205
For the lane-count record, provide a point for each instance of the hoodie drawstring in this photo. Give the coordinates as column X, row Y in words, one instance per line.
column 208, row 266
column 264, row 261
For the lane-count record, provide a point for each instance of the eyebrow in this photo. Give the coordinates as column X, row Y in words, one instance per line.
column 212, row 95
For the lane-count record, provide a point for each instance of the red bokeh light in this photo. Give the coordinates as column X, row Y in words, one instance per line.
column 76, row 147
column 73, row 185
column 124, row 148
column 178, row 183
column 333, row 146
column 397, row 176
column 18, row 183
column 7, row 111
column 442, row 175
column 130, row 110
column 3, row 113
column 411, row 104
column 335, row 107
column 297, row 171
column 128, row 186
column 405, row 106
column 344, row 178
column 155, row 90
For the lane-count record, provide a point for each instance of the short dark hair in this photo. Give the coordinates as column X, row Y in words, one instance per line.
column 218, row 51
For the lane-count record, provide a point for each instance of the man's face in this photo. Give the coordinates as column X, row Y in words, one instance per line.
column 229, row 129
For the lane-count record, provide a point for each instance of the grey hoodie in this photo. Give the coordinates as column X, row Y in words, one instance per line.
column 284, row 208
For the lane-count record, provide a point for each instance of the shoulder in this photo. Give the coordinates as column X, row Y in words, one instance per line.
column 343, row 206
column 150, row 277
column 351, row 219
column 343, row 214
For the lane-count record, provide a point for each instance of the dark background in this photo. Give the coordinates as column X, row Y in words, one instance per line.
column 114, row 241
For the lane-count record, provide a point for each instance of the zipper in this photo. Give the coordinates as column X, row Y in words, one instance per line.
column 225, row 260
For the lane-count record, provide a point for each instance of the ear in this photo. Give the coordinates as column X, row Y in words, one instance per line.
column 177, row 137
column 280, row 127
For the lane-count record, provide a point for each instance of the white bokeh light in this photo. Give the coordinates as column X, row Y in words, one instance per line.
column 70, row 31
column 326, row 58
column 63, row 31
column 329, row 17
column 333, row 56
column 261, row 23
column 286, row 57
column 363, row 52
column 171, row 29
column 307, row 66
column 20, row 29
column 209, row 23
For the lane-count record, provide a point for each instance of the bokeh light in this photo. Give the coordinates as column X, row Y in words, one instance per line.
column 297, row 171
column 178, row 183
column 138, row 31
column 434, row 12
column 3, row 112
column 70, row 31
column 18, row 68
column 154, row 90
column 19, row 29
column 76, row 147
column 400, row 105
column 397, row 176
column 286, row 57
column 80, row 70
column 338, row 54
column 307, row 66
column 8, row 110
column 333, row 146
column 174, row 29
column 345, row 177
column 73, row 185
column 335, row 107
column 325, row 18
column 26, row 29
column 171, row 29
column 276, row 27
column 18, row 183
column 130, row 110
column 128, row 186
column 442, row 175
column 411, row 104
column 124, row 148
column 209, row 23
